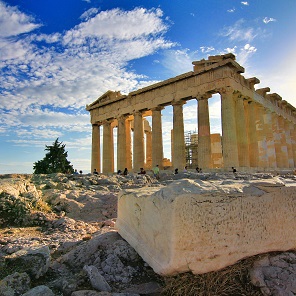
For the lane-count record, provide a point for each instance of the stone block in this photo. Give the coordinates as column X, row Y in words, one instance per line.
column 202, row 226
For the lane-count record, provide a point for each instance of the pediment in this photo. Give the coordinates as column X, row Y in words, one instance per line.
column 108, row 97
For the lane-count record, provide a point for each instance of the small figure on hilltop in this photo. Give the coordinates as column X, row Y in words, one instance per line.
column 80, row 172
column 233, row 169
column 156, row 172
column 95, row 172
column 75, row 172
column 125, row 172
column 185, row 169
column 176, row 171
column 142, row 171
column 119, row 172
column 197, row 169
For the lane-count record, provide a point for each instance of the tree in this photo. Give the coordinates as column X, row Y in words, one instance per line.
column 55, row 161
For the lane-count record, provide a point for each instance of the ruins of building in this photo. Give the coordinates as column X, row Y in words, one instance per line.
column 258, row 128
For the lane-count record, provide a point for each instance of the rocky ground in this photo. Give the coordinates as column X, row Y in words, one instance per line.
column 57, row 237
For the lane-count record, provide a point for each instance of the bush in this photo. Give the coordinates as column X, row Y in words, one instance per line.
column 16, row 211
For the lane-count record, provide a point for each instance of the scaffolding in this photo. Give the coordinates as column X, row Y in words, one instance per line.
column 191, row 144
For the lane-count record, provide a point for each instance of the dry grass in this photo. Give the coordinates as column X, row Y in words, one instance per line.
column 231, row 281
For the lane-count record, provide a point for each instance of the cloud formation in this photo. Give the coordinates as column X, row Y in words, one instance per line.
column 267, row 20
column 44, row 74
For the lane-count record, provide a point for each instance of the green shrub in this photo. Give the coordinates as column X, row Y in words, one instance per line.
column 16, row 211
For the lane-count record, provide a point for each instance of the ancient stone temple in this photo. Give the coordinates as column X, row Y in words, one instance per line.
column 258, row 127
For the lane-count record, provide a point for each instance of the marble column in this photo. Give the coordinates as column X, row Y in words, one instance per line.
column 271, row 154
column 108, row 148
column 293, row 139
column 229, row 137
column 179, row 160
column 121, row 143
column 252, row 133
column 289, row 144
column 277, row 140
column 283, row 143
column 148, row 164
column 241, row 132
column 157, row 144
column 262, row 146
column 204, row 134
column 96, row 148
column 129, row 160
column 138, row 151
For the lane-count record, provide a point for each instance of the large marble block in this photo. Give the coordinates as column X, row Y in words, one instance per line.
column 200, row 226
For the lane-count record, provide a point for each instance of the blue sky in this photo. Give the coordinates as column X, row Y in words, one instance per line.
column 58, row 56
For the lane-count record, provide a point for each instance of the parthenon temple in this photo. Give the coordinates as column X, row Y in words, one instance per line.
column 258, row 127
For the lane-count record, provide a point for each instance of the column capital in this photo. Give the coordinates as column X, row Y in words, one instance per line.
column 157, row 108
column 122, row 117
column 204, row 96
column 178, row 103
column 225, row 91
column 138, row 112
column 108, row 121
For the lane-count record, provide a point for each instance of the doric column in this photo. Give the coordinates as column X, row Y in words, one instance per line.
column 96, row 149
column 129, row 163
column 229, row 138
column 293, row 139
column 289, row 144
column 148, row 164
column 121, row 143
column 108, row 148
column 262, row 146
column 252, row 133
column 204, row 134
column 157, row 145
column 283, row 142
column 241, row 132
column 277, row 140
column 269, row 140
column 138, row 141
column 179, row 160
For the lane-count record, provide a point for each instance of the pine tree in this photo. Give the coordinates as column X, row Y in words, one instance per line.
column 55, row 160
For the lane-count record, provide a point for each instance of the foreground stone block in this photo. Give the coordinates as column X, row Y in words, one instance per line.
column 202, row 226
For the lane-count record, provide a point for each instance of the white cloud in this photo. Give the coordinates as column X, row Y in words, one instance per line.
column 231, row 10
column 92, row 60
column 206, row 49
column 89, row 13
column 119, row 25
column 13, row 22
column 240, row 32
column 179, row 61
column 267, row 20
column 245, row 3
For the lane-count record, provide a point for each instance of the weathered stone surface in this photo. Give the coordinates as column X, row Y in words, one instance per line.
column 97, row 281
column 275, row 275
column 201, row 226
column 90, row 293
column 39, row 291
column 35, row 260
column 15, row 284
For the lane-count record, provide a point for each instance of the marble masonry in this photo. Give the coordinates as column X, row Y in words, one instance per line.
column 258, row 127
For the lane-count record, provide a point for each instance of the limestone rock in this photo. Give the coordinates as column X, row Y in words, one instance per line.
column 39, row 291
column 35, row 260
column 15, row 284
column 90, row 293
column 275, row 275
column 97, row 281
column 202, row 226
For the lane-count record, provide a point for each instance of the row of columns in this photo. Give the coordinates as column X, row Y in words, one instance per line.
column 252, row 136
